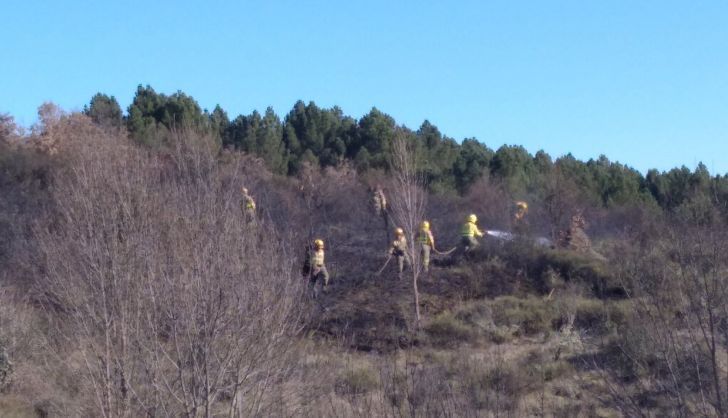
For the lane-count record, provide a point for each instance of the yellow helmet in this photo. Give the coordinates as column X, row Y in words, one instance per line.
column 319, row 243
column 399, row 231
column 472, row 218
column 426, row 225
column 244, row 190
column 522, row 205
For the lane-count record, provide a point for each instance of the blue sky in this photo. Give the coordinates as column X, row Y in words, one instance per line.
column 643, row 82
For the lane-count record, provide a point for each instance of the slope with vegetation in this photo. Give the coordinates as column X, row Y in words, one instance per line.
column 131, row 284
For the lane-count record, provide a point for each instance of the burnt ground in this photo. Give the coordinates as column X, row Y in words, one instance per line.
column 375, row 313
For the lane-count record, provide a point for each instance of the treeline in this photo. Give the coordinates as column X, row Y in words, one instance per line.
column 328, row 137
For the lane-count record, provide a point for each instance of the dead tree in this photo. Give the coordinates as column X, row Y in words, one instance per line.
column 676, row 345
column 408, row 203
column 175, row 306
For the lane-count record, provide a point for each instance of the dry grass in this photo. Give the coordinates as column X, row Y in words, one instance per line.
column 131, row 286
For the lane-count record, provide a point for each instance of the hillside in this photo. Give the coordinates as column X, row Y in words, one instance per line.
column 132, row 283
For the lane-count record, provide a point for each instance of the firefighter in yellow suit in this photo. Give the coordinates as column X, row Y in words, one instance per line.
column 318, row 272
column 469, row 232
column 247, row 205
column 427, row 244
column 399, row 249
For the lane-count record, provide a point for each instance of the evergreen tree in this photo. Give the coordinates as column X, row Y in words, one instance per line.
column 326, row 137
column 439, row 155
column 219, row 124
column 324, row 132
column 105, row 111
column 142, row 119
column 153, row 115
column 261, row 136
column 471, row 163
column 514, row 165
column 270, row 145
column 376, row 133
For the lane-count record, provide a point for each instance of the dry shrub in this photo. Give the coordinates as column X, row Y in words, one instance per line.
column 597, row 317
column 531, row 316
column 24, row 179
column 671, row 353
column 153, row 279
column 331, row 204
column 490, row 275
column 479, row 315
column 357, row 381
column 539, row 269
column 489, row 199
column 39, row 380
column 446, row 330
column 498, row 387
column 584, row 269
column 415, row 389
column 561, row 199
column 14, row 407
column 343, row 198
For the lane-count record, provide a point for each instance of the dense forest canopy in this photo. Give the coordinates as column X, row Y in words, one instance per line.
column 319, row 137
column 328, row 137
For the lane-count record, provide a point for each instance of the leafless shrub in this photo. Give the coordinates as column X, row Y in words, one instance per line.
column 149, row 273
column 674, row 353
column 488, row 198
column 8, row 128
column 561, row 199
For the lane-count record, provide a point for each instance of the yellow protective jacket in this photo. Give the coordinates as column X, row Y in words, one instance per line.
column 520, row 214
column 249, row 203
column 399, row 246
column 318, row 258
column 470, row 230
column 426, row 238
column 380, row 202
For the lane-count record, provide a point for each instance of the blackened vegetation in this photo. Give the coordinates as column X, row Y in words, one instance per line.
column 132, row 286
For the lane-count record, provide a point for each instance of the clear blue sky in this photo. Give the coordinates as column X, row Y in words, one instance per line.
column 643, row 82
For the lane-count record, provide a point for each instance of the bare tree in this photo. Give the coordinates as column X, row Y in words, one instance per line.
column 676, row 347
column 408, row 203
column 8, row 129
column 175, row 305
column 560, row 200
